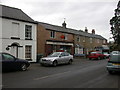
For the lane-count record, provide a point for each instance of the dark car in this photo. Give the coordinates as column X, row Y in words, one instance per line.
column 96, row 55
column 9, row 62
column 113, row 64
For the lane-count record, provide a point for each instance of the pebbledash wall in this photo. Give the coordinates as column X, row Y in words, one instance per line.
column 8, row 42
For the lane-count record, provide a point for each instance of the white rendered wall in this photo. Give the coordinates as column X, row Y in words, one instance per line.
column 0, row 47
column 6, row 37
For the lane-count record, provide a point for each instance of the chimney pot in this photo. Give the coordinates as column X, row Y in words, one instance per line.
column 86, row 30
column 93, row 31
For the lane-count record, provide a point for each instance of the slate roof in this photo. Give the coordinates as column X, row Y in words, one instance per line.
column 15, row 13
column 69, row 30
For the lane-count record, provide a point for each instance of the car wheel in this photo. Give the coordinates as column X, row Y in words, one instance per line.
column 41, row 64
column 111, row 72
column 24, row 67
column 70, row 62
column 54, row 63
column 89, row 58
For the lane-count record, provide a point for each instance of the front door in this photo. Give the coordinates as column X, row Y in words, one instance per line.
column 14, row 51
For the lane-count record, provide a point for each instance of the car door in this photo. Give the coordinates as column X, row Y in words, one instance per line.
column 67, row 57
column 8, row 62
column 61, row 58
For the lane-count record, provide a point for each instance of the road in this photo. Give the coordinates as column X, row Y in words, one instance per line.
column 82, row 73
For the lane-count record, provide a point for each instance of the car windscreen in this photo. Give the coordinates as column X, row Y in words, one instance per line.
column 115, row 58
column 56, row 54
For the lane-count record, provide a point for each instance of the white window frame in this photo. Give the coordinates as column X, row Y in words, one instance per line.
column 98, row 40
column 66, row 36
column 78, row 38
column 91, row 40
column 28, row 32
column 28, row 52
column 52, row 34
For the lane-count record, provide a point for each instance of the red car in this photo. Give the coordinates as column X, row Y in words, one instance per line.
column 96, row 55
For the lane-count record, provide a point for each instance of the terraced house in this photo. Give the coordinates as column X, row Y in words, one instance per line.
column 52, row 38
column 18, row 33
column 86, row 42
column 24, row 38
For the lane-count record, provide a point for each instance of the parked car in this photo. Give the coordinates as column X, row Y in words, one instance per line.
column 115, row 52
column 9, row 62
column 113, row 64
column 57, row 58
column 106, row 54
column 96, row 55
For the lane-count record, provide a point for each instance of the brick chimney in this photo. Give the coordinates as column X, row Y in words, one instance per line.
column 64, row 24
column 86, row 30
column 93, row 31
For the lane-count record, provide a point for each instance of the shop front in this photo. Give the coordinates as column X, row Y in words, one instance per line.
column 58, row 46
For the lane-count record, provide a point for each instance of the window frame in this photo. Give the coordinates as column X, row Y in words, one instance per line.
column 28, row 52
column 91, row 40
column 52, row 34
column 28, row 32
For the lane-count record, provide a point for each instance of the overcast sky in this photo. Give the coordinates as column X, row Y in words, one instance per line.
column 93, row 14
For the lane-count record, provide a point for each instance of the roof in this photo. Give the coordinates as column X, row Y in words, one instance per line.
column 69, row 30
column 15, row 13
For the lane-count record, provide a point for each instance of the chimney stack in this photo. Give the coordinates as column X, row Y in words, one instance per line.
column 86, row 30
column 93, row 31
column 64, row 24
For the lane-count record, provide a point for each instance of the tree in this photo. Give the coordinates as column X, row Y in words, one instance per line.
column 115, row 26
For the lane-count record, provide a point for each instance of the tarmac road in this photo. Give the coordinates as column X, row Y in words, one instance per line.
column 83, row 73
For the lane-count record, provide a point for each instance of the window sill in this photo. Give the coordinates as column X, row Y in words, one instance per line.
column 15, row 38
column 28, row 39
column 29, row 59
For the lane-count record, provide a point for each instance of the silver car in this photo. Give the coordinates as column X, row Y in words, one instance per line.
column 113, row 64
column 57, row 58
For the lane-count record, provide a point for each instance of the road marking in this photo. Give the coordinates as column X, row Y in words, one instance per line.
column 51, row 75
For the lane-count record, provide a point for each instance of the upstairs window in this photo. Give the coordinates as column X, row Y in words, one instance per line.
column 98, row 41
column 104, row 41
column 66, row 36
column 91, row 40
column 28, row 32
column 78, row 39
column 52, row 34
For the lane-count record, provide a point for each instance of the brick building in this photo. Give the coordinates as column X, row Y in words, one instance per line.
column 52, row 38
column 85, row 42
